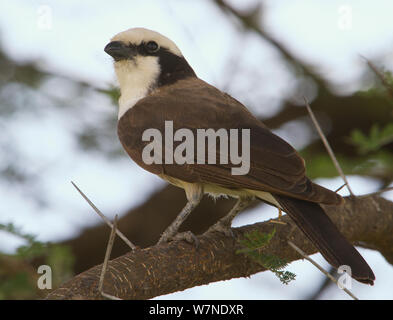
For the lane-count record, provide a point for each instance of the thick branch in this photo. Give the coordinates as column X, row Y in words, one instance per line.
column 158, row 270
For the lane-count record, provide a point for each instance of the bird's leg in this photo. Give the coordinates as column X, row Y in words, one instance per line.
column 224, row 224
column 194, row 193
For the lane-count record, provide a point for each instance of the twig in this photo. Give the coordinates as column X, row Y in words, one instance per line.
column 380, row 76
column 121, row 235
column 327, row 146
column 278, row 221
column 109, row 296
column 338, row 189
column 377, row 192
column 322, row 287
column 107, row 254
column 304, row 255
column 251, row 21
column 105, row 264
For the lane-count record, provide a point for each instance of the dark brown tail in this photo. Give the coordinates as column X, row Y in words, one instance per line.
column 317, row 226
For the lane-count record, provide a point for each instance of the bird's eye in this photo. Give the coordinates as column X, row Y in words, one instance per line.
column 152, row 46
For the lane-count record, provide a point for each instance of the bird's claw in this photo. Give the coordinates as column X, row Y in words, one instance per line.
column 222, row 228
column 187, row 236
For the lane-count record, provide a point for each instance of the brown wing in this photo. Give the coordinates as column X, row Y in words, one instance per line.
column 193, row 104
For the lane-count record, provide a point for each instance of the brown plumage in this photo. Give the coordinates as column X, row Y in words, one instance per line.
column 158, row 85
column 275, row 166
column 193, row 104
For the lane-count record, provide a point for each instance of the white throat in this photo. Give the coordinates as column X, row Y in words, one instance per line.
column 136, row 79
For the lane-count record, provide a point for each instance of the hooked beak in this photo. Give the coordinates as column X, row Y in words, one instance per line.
column 118, row 50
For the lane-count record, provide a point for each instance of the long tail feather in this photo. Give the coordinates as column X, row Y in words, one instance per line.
column 317, row 226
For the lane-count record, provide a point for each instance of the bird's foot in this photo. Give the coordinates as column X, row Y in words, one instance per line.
column 222, row 227
column 187, row 236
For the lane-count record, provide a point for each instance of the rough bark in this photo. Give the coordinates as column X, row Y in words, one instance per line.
column 158, row 270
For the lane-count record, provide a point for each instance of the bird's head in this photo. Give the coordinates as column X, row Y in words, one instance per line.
column 145, row 60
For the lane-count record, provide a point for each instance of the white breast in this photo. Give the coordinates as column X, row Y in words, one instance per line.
column 136, row 78
column 127, row 104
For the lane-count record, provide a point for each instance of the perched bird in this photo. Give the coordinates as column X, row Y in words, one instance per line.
column 161, row 92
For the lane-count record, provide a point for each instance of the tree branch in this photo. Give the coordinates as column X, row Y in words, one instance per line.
column 167, row 268
column 250, row 21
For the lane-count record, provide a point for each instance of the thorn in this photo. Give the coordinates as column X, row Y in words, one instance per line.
column 106, row 260
column 377, row 192
column 380, row 75
column 327, row 146
column 337, row 190
column 305, row 256
column 121, row 235
column 278, row 221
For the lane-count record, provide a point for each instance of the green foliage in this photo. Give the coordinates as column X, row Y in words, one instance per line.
column 19, row 286
column 113, row 93
column 380, row 87
column 253, row 244
column 18, row 275
column 11, row 228
column 388, row 75
column 29, row 251
column 378, row 164
column 62, row 259
column 377, row 138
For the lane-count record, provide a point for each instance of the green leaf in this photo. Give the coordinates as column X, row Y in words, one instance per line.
column 58, row 257
column 113, row 93
column 377, row 138
column 253, row 243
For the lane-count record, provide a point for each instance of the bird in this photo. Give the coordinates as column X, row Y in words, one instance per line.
column 160, row 92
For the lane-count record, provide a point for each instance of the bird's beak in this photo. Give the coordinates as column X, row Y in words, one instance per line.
column 119, row 50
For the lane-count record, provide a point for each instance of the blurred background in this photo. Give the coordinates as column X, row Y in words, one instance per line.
column 58, row 112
